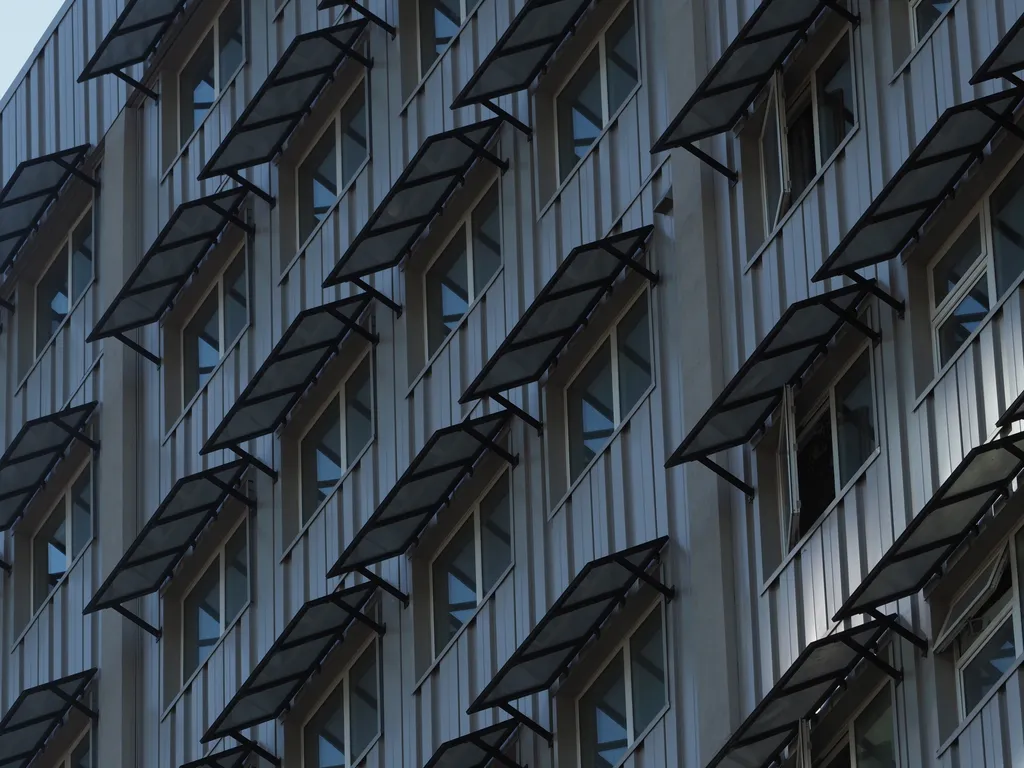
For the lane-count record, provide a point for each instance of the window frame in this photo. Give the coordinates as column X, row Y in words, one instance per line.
column 848, row 738
column 64, row 761
column 64, row 250
column 918, row 35
column 465, row 10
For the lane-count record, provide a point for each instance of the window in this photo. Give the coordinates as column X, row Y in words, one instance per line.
column 471, row 563
column 981, row 264
column 439, row 22
column 62, row 537
column 80, row 755
column 216, row 599
column 212, row 65
column 601, row 84
column 64, row 282
column 215, row 326
column 626, row 697
column 871, row 740
column 610, row 384
column 336, row 439
column 348, row 722
column 462, row 270
column 332, row 163
column 925, row 14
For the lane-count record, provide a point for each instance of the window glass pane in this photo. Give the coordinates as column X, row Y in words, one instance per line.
column 842, row 758
column 815, row 471
column 984, row 670
column 81, row 257
column 874, row 740
column 447, row 292
column 81, row 512
column 454, row 583
column 837, row 111
column 771, row 162
column 355, row 145
column 495, row 533
column 591, row 412
column 81, row 755
column 623, row 59
column 439, row 22
column 320, row 457
column 1007, row 205
column 928, row 12
column 957, row 328
column 358, row 410
column 364, row 700
column 634, row 352
column 602, row 712
column 800, row 148
column 236, row 573
column 957, row 261
column 579, row 114
column 201, row 342
column 324, row 737
column 318, row 183
column 202, row 618
column 236, row 303
column 977, row 591
column 52, row 304
column 987, row 614
column 50, row 553
column 647, row 671
column 197, row 89
column 486, row 239
column 855, row 418
column 231, row 30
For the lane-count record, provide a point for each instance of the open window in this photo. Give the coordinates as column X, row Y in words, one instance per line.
column 64, row 282
column 62, row 537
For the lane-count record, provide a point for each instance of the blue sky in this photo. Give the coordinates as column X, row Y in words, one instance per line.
column 23, row 24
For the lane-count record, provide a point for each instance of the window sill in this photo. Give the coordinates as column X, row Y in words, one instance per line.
column 462, row 630
column 425, row 372
column 921, row 44
column 798, row 548
column 974, row 713
column 60, row 328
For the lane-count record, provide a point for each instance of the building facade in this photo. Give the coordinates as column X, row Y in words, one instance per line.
column 514, row 382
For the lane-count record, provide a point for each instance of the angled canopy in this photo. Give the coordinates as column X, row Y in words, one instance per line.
column 478, row 749
column 171, row 260
column 168, row 535
column 818, row 673
column 523, row 51
column 561, row 308
column 32, row 455
column 35, row 715
column 941, row 525
column 228, row 758
column 575, row 618
column 296, row 654
column 133, row 37
column 423, row 489
column 928, row 176
column 1006, row 58
column 292, row 365
column 418, row 195
column 285, row 97
column 802, row 333
column 33, row 187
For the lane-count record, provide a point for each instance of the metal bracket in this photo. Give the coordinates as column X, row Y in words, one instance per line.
column 256, row 748
column 394, row 306
column 78, row 435
column 246, row 184
column 385, row 585
column 137, row 621
column 872, row 658
column 897, row 627
column 704, row 157
column 133, row 345
column 729, row 477
column 528, row 722
column 136, row 84
column 533, row 421
column 668, row 592
column 9, row 306
column 509, row 118
column 71, row 700
column 264, row 468
column 877, row 291
column 370, row 16
column 5, row 566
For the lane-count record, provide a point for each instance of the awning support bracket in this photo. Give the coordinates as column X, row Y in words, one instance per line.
column 895, row 626
column 256, row 748
column 1006, row 123
column 853, row 320
column 135, row 346
column 72, row 701
column 243, row 182
column 873, row 659
column 137, row 621
column 384, row 584
column 391, row 304
column 354, row 327
column 510, row 458
column 515, row 122
column 668, row 592
column 486, row 154
column 495, row 753
column 877, row 291
column 8, row 305
column 262, row 467
column 5, row 566
column 78, row 435
column 528, row 722
column 504, row 402
column 373, row 18
column 704, row 157
column 729, row 477
column 148, row 92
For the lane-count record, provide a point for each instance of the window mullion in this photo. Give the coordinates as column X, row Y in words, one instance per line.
column 478, row 548
column 836, row 473
column 470, row 271
column 603, row 67
column 343, row 426
column 216, row 58
column 346, row 699
column 627, row 676
column 815, row 121
column 613, row 349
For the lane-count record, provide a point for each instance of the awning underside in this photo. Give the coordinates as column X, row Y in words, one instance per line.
column 133, row 37
column 928, row 176
column 941, row 526
column 576, row 616
column 477, row 749
column 314, row 336
column 285, row 97
column 801, row 335
column 423, row 489
column 36, row 714
column 33, row 454
column 818, row 672
column 1006, row 58
column 416, row 198
column 559, row 311
column 297, row 653
column 171, row 260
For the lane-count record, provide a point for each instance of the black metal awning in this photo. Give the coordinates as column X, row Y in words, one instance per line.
column 929, row 176
column 780, row 360
column 33, row 187
column 132, row 39
column 286, row 96
column 1006, row 58
column 576, row 617
column 296, row 654
column 313, row 338
column 36, row 714
column 416, row 198
column 478, row 749
column 170, row 262
column 423, row 489
column 34, row 452
column 235, row 757
column 759, row 49
column 940, row 527
column 167, row 537
column 818, row 673
column 560, row 310
column 362, row 10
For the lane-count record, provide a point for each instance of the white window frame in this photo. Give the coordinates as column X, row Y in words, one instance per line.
column 65, row 251
column 465, row 8
column 339, row 395
column 633, row 738
column 471, row 517
column 602, row 62
column 70, row 559
column 775, row 107
column 848, row 739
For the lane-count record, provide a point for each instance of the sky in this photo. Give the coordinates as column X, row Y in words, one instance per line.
column 23, row 24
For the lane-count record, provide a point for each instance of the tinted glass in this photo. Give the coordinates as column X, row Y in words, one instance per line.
column 81, row 512
column 486, row 221
column 320, row 456
column 836, row 107
column 874, row 741
column 957, row 261
column 324, row 737
column 447, row 291
column 81, row 257
column 623, row 59
column 355, row 146
column 358, row 410
column 855, row 419
column 50, row 553
column 197, row 89
column 495, row 534
column 966, row 318
column 236, row 301
column 928, row 12
column 602, row 713
column 81, row 755
column 815, row 471
column 201, row 342
column 236, row 573
column 647, row 671
column 202, row 618
column 318, row 183
column 579, row 114
column 803, row 164
column 993, row 661
column 454, row 584
column 231, row 33
column 52, row 304
column 1007, row 206
column 364, row 700
column 634, row 353
column 591, row 410
column 439, row 22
